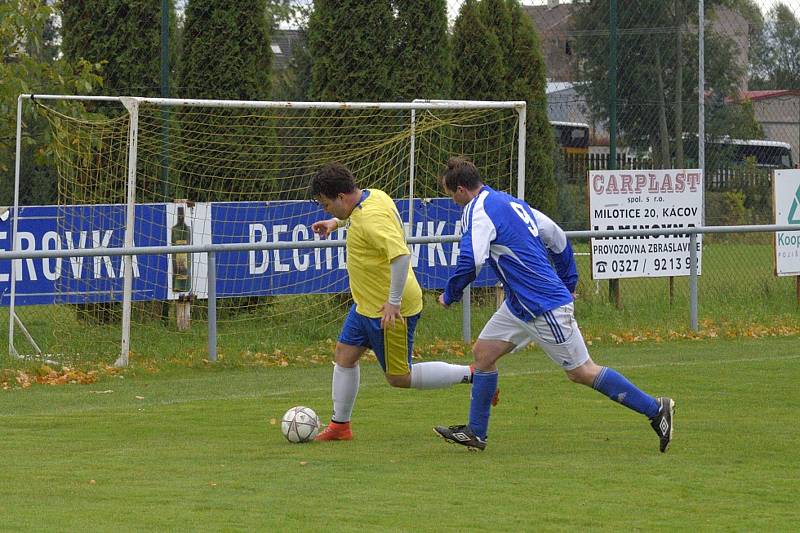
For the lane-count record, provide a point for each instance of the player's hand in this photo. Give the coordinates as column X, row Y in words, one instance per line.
column 391, row 314
column 324, row 227
column 441, row 301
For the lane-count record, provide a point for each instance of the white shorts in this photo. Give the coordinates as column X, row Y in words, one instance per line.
column 556, row 332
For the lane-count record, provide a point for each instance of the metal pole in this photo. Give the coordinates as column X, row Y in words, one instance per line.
column 466, row 315
column 612, row 87
column 701, row 87
column 165, row 48
column 269, row 104
column 693, row 281
column 212, row 307
column 165, row 121
column 132, row 105
column 613, row 284
column 521, row 142
column 411, row 174
column 14, row 224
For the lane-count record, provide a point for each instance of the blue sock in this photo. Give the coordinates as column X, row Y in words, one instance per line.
column 483, row 386
column 618, row 388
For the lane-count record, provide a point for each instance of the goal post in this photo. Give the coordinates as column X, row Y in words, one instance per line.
column 139, row 172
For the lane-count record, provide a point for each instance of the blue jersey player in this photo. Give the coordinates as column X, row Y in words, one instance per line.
column 533, row 259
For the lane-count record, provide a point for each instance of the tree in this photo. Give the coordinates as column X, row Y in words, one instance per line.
column 478, row 74
column 530, row 84
column 125, row 35
column 776, row 61
column 352, row 43
column 654, row 71
column 478, row 66
column 226, row 51
column 293, row 82
column 422, row 50
column 226, row 54
column 497, row 57
column 27, row 65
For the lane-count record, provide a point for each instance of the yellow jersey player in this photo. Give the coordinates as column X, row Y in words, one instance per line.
column 388, row 299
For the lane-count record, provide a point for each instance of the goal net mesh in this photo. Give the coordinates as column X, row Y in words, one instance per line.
column 229, row 175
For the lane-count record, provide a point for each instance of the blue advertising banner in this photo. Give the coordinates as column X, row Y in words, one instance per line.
column 81, row 279
column 248, row 273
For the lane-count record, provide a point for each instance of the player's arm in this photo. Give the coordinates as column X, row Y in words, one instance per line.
column 558, row 248
column 397, row 284
column 386, row 233
column 473, row 253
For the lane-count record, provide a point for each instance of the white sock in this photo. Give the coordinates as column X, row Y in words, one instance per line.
column 343, row 391
column 437, row 375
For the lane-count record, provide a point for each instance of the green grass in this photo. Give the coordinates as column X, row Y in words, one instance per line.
column 197, row 451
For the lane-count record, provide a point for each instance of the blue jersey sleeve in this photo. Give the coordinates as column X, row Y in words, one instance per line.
column 465, row 273
column 565, row 266
column 478, row 233
column 559, row 250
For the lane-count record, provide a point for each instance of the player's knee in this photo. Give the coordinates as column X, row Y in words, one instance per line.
column 584, row 374
column 575, row 376
column 483, row 360
column 402, row 381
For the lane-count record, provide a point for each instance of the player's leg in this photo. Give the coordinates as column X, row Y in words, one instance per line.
column 395, row 346
column 617, row 387
column 346, row 377
column 484, row 381
column 558, row 334
column 501, row 335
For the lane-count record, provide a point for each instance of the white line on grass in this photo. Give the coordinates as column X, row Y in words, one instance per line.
column 291, row 391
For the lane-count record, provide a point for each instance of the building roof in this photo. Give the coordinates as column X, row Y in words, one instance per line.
column 282, row 43
column 772, row 93
column 558, row 86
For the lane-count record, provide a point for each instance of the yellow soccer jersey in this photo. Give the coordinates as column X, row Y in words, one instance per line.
column 375, row 236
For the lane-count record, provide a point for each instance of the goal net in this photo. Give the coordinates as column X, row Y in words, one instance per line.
column 220, row 172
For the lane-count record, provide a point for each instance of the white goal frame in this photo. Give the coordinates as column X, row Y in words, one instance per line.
column 131, row 104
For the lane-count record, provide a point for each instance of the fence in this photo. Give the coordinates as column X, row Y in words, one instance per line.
column 751, row 295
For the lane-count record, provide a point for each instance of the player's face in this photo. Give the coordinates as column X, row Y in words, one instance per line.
column 459, row 195
column 333, row 206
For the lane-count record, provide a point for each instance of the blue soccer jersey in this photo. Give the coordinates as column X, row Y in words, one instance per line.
column 529, row 253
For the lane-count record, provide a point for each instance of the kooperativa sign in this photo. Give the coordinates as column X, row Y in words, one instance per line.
column 786, row 199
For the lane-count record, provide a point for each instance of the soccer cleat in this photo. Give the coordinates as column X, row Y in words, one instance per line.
column 462, row 435
column 335, row 431
column 495, row 396
column 662, row 422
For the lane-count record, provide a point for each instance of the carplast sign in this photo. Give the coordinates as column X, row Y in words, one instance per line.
column 644, row 199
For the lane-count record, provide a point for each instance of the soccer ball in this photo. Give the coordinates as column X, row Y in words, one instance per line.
column 300, row 424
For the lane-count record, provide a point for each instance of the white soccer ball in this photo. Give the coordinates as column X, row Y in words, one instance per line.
column 300, row 424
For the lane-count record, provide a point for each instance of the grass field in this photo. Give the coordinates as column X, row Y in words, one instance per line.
column 195, row 450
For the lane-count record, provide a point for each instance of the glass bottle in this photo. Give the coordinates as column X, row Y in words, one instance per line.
column 181, row 233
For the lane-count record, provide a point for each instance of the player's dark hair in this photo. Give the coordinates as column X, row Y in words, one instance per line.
column 331, row 180
column 460, row 171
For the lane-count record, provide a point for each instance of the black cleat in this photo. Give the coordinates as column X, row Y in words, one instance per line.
column 662, row 422
column 462, row 435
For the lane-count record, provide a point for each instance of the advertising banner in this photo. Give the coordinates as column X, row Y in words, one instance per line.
column 786, row 199
column 644, row 199
column 169, row 276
